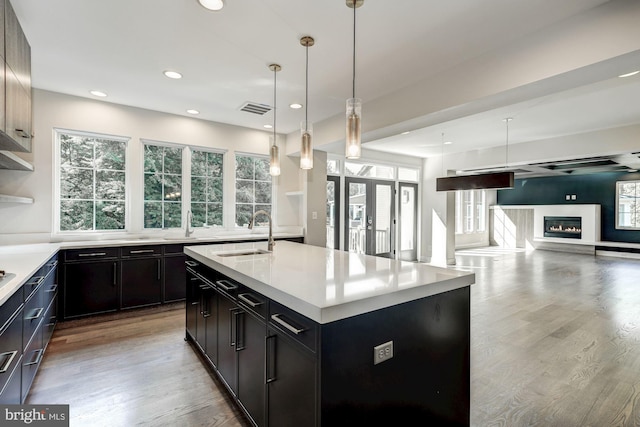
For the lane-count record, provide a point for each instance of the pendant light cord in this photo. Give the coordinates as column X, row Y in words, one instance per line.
column 506, row 149
column 275, row 72
column 306, row 92
column 354, row 49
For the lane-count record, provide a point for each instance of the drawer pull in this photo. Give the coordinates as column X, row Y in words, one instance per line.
column 93, row 254
column 277, row 318
column 142, row 251
column 226, row 285
column 53, row 264
column 34, row 316
column 9, row 355
column 36, row 281
column 253, row 304
column 191, row 263
column 23, row 134
column 53, row 288
column 37, row 359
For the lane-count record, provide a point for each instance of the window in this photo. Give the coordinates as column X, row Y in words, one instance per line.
column 92, row 182
column 333, row 167
column 470, row 211
column 408, row 174
column 628, row 205
column 206, row 188
column 369, row 170
column 253, row 188
column 162, row 186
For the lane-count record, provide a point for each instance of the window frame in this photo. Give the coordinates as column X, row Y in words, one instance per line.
column 637, row 192
column 467, row 211
column 57, row 176
column 237, row 226
column 223, row 202
column 184, row 162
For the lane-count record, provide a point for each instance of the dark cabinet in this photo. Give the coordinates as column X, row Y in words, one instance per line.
column 174, row 274
column 291, row 369
column 11, row 349
column 227, row 323
column 250, row 348
column 193, row 300
column 141, row 276
column 25, row 330
column 90, row 287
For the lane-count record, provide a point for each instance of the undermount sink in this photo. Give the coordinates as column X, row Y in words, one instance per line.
column 242, row 253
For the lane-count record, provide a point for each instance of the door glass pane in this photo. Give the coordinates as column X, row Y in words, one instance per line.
column 357, row 215
column 331, row 214
column 407, row 218
column 383, row 219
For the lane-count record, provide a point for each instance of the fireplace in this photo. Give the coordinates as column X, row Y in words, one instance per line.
column 568, row 227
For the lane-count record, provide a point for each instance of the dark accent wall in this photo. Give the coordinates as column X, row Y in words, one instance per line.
column 598, row 188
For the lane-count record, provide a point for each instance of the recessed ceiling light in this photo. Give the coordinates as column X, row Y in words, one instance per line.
column 98, row 93
column 405, row 133
column 295, row 106
column 448, row 143
column 268, row 126
column 193, row 111
column 633, row 73
column 212, row 4
column 172, row 74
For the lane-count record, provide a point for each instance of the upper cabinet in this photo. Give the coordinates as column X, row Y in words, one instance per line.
column 15, row 82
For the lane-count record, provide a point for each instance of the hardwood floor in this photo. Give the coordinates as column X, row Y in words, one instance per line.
column 132, row 371
column 555, row 341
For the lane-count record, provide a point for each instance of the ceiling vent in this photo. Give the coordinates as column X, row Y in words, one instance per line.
column 255, row 108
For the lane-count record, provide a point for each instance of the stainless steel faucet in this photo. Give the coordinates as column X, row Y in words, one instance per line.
column 271, row 243
column 188, row 230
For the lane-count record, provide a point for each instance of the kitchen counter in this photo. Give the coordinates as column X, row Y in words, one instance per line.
column 326, row 285
column 22, row 261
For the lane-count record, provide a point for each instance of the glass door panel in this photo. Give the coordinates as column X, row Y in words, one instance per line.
column 333, row 212
column 383, row 221
column 408, row 224
column 356, row 213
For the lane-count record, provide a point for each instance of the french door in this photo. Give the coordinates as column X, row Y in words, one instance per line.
column 369, row 217
column 408, row 221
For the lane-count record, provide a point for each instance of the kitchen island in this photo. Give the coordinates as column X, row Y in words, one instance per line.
column 309, row 336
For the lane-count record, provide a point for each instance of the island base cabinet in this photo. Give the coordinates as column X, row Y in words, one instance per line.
column 427, row 378
column 227, row 359
column 251, row 365
column 291, row 383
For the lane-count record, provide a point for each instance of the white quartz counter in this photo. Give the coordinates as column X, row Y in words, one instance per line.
column 328, row 285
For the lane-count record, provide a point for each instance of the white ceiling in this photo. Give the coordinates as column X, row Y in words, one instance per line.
column 122, row 47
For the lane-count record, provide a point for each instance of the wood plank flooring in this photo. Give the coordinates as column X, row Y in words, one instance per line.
column 131, row 371
column 555, row 341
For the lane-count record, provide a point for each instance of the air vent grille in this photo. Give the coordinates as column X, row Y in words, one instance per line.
column 255, row 108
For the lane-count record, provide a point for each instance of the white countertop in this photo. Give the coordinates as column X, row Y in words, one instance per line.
column 22, row 261
column 326, row 285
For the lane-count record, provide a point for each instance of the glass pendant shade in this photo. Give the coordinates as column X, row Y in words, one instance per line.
column 354, row 116
column 306, row 150
column 274, row 158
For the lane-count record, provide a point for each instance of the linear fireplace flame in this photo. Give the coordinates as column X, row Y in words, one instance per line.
column 568, row 227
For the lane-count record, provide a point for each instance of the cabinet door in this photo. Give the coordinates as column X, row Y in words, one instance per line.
column 291, row 382
column 174, row 277
column 141, row 282
column 90, row 288
column 18, row 112
column 250, row 347
column 210, row 317
column 227, row 322
column 193, row 303
column 10, row 362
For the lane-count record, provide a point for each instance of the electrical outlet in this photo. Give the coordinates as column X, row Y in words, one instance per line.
column 314, row 215
column 382, row 352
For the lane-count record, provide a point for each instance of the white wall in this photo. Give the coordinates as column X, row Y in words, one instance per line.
column 53, row 110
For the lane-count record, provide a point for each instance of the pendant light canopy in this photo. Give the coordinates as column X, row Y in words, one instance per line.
column 354, row 105
column 306, row 127
column 274, row 155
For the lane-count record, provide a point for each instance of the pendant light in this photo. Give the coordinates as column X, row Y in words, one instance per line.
column 274, row 155
column 214, row 5
column 354, row 105
column 306, row 127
